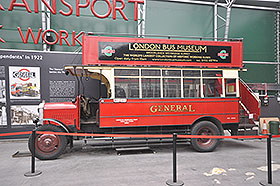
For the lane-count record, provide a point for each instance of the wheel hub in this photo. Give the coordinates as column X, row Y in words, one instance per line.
column 47, row 143
column 205, row 141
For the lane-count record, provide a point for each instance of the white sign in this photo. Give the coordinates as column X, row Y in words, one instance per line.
column 24, row 82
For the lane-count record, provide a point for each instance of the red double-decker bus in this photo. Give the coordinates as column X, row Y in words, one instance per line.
column 152, row 86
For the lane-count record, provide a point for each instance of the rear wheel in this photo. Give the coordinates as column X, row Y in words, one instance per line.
column 204, row 144
column 48, row 146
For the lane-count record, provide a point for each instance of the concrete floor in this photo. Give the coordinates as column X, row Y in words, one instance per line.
column 233, row 163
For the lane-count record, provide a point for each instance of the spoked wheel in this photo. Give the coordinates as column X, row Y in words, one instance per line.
column 48, row 146
column 205, row 144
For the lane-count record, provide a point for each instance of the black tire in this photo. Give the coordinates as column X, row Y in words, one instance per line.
column 205, row 144
column 48, row 146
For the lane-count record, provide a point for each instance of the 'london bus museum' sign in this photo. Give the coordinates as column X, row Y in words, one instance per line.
column 164, row 52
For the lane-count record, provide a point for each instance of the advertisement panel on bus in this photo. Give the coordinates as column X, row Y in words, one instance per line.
column 161, row 52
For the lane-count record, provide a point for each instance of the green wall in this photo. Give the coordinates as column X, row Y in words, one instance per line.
column 256, row 27
column 257, row 30
column 19, row 17
column 259, row 73
column 167, row 18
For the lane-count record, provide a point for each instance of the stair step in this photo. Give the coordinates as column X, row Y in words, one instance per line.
column 244, row 120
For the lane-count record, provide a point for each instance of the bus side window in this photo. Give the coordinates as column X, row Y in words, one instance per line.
column 127, row 88
column 171, row 87
column 230, row 85
column 191, row 87
column 212, row 88
column 150, row 87
column 120, row 92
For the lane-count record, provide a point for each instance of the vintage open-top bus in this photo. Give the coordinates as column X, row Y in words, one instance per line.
column 152, row 86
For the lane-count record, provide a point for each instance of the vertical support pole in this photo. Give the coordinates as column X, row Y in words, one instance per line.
column 277, row 46
column 33, row 172
column 269, row 164
column 277, row 51
column 269, row 167
column 141, row 19
column 174, row 157
column 229, row 5
column 226, row 20
column 144, row 19
column 174, row 181
column 227, row 23
column 216, row 20
column 33, row 152
column 46, row 23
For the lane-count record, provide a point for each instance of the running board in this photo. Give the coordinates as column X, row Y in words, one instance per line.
column 134, row 150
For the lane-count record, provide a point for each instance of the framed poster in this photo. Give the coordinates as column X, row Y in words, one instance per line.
column 23, row 114
column 24, row 82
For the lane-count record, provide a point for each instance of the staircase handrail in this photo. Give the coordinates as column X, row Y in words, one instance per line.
column 245, row 84
column 244, row 107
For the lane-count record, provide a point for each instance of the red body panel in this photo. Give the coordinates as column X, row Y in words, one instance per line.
column 163, row 112
column 95, row 46
column 66, row 112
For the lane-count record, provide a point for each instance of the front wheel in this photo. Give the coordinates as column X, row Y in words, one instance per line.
column 48, row 146
column 205, row 144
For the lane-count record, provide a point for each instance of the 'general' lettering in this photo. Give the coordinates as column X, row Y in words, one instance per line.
column 171, row 108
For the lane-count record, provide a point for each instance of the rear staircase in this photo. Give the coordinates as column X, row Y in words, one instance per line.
column 250, row 110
